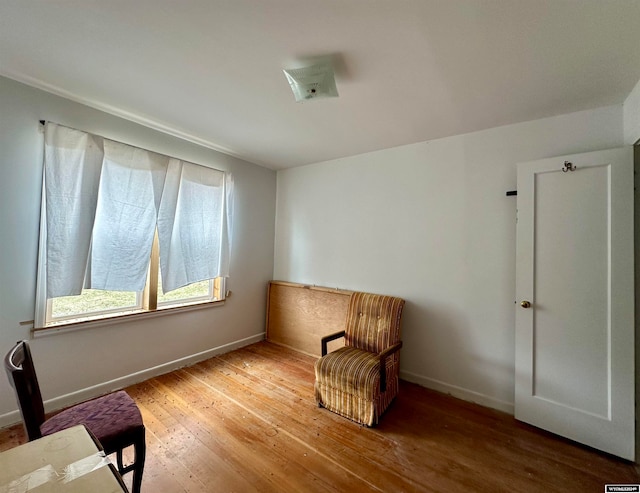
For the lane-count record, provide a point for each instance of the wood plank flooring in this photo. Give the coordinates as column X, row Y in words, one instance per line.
column 246, row 421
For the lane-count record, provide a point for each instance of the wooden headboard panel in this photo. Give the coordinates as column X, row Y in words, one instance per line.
column 298, row 316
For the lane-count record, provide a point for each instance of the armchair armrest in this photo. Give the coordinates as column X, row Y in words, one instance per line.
column 330, row 337
column 383, row 364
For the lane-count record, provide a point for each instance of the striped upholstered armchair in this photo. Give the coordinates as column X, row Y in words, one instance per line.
column 360, row 380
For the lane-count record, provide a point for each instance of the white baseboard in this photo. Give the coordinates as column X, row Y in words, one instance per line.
column 458, row 392
column 9, row 419
column 72, row 398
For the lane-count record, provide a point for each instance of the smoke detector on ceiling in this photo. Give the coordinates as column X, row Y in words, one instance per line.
column 313, row 82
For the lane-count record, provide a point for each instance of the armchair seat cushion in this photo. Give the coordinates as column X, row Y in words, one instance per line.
column 351, row 370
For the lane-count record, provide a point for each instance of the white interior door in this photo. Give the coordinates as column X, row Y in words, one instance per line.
column 575, row 298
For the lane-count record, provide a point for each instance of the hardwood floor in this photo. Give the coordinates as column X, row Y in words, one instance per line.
column 247, row 421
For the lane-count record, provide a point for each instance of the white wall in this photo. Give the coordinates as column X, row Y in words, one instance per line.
column 430, row 222
column 79, row 361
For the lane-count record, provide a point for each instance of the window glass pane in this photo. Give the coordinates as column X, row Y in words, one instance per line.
column 197, row 290
column 93, row 301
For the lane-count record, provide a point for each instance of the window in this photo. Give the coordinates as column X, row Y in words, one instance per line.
column 125, row 230
column 96, row 304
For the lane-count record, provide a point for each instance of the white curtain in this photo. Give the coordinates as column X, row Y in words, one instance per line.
column 130, row 192
column 73, row 164
column 103, row 202
column 189, row 225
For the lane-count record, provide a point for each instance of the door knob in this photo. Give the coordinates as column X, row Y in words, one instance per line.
column 525, row 304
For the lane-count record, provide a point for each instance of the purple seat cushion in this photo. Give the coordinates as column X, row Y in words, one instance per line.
column 111, row 418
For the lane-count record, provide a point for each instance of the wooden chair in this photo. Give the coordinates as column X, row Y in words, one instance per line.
column 360, row 380
column 114, row 419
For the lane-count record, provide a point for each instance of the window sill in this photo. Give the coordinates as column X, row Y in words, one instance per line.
column 63, row 327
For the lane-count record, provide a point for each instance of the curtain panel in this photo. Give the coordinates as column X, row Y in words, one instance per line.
column 103, row 201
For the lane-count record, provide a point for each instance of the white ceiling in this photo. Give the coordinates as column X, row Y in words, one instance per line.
column 407, row 70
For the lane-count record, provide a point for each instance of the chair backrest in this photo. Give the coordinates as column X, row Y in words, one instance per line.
column 22, row 377
column 373, row 321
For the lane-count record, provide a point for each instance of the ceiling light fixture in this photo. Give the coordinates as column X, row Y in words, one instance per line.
column 313, row 82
